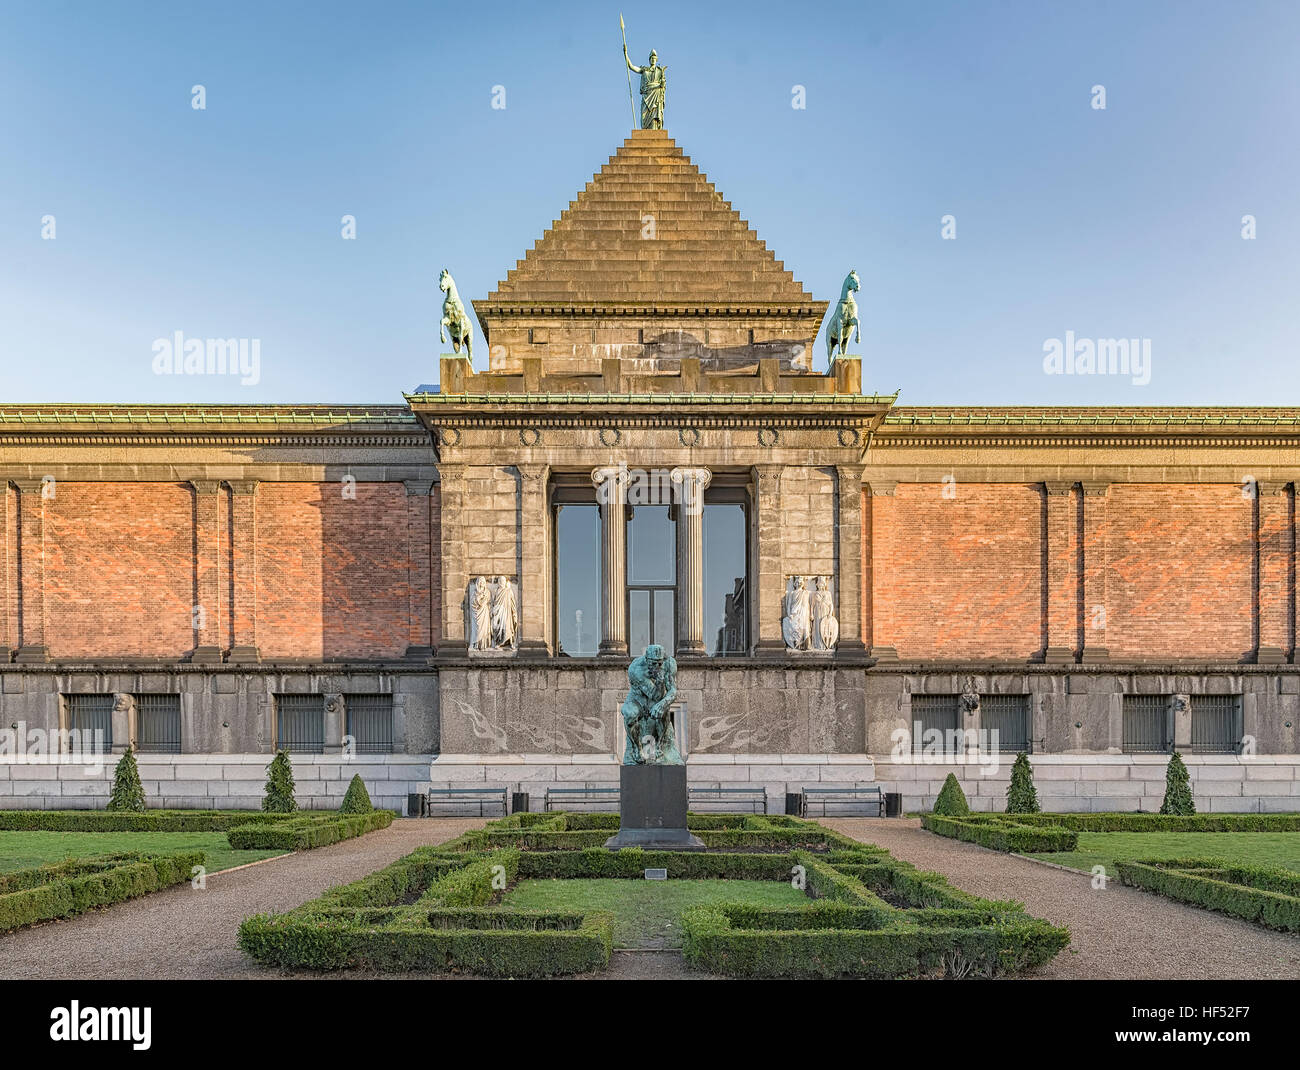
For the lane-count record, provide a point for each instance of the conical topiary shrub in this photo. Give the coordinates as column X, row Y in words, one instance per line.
column 128, row 792
column 279, row 786
column 357, row 799
column 952, row 800
column 1178, row 789
column 1022, row 797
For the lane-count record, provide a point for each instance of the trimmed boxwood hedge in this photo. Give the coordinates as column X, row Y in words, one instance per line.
column 1005, row 834
column 302, row 832
column 65, row 889
column 1152, row 822
column 1265, row 895
column 868, row 915
column 120, row 821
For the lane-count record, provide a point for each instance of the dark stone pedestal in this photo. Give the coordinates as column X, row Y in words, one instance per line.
column 652, row 809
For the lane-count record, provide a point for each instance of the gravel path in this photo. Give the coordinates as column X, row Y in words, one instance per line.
column 189, row 933
column 1116, row 933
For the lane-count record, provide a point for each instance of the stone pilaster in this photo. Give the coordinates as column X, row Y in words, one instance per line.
column 690, row 560
column 769, row 583
column 1096, row 569
column 1062, row 573
column 848, row 552
column 8, row 570
column 455, row 579
column 535, row 561
column 418, row 582
column 243, row 558
column 31, row 571
column 205, row 614
column 1274, row 533
column 880, row 516
column 611, row 490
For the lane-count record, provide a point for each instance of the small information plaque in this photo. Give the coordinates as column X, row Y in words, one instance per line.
column 656, row 874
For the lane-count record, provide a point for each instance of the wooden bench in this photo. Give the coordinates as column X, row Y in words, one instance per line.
column 584, row 794
column 482, row 797
column 753, row 797
column 871, row 798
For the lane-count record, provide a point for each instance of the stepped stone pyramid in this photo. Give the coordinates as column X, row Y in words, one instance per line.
column 649, row 264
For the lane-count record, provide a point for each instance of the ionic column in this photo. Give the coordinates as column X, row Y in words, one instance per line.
column 1096, row 568
column 611, row 492
column 205, row 614
column 1062, row 574
column 243, row 568
column 848, row 544
column 1273, row 540
column 690, row 560
column 31, row 574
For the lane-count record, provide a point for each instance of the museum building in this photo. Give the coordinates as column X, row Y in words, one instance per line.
column 447, row 592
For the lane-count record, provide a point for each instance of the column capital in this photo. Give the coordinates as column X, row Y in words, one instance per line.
column 1057, row 487
column 242, row 486
column 881, row 488
column 418, row 488
column 611, row 482
column 29, row 485
column 205, row 486
column 1271, row 487
column 1095, row 488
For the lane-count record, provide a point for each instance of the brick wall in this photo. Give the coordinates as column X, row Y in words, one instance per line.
column 332, row 571
column 957, row 571
column 1181, row 578
column 119, row 569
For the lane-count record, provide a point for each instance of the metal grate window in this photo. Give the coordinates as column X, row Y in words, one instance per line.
column 158, row 724
column 1146, row 724
column 300, row 723
column 87, row 715
column 1216, row 724
column 933, row 713
column 370, row 723
column 1008, row 716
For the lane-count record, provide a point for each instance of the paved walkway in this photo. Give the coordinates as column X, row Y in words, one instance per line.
column 1116, row 933
column 187, row 933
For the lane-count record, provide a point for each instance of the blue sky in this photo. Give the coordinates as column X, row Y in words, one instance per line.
column 1123, row 222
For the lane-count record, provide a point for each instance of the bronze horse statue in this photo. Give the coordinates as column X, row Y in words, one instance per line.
column 844, row 319
column 454, row 318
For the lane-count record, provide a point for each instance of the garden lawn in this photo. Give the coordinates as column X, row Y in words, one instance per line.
column 648, row 914
column 23, row 850
column 1103, row 848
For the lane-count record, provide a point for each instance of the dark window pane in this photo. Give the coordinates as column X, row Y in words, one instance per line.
column 638, row 621
column 663, row 622
column 577, row 578
column 931, row 714
column 1008, row 716
column 726, row 606
column 651, row 546
column 1145, row 721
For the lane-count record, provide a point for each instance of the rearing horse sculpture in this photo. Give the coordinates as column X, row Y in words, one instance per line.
column 454, row 318
column 844, row 319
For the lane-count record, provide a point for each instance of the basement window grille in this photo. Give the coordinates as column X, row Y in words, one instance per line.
column 1008, row 716
column 934, row 713
column 1216, row 725
column 300, row 723
column 370, row 723
column 1146, row 724
column 90, row 714
column 158, row 724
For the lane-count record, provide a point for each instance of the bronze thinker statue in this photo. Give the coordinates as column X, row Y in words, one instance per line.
column 647, row 710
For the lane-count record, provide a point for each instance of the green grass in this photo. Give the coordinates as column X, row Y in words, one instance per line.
column 24, row 850
column 647, row 913
column 1103, row 848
